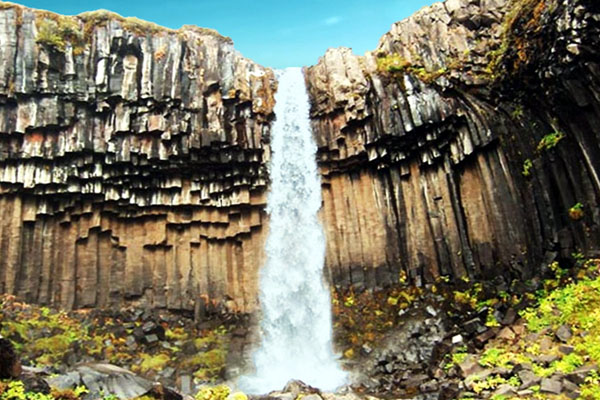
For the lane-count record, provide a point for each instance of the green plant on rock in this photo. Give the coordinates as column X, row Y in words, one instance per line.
column 576, row 212
column 491, row 357
column 392, row 63
column 15, row 390
column 519, row 38
column 24, row 329
column 397, row 66
column 58, row 32
column 527, row 165
column 153, row 362
column 550, row 140
column 213, row 393
column 517, row 112
column 568, row 363
column 493, row 381
column 590, row 390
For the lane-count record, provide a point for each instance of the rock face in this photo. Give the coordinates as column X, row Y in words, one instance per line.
column 132, row 163
column 466, row 144
column 133, row 158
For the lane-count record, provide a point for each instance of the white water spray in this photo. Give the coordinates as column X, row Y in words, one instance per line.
column 295, row 301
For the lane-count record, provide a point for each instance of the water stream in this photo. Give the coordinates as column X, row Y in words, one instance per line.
column 295, row 300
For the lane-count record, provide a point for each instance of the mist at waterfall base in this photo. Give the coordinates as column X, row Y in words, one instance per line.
column 295, row 301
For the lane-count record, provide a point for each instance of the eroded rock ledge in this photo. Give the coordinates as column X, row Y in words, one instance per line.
column 466, row 144
column 132, row 163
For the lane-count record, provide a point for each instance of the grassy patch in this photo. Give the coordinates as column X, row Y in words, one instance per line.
column 396, row 66
column 57, row 32
column 365, row 318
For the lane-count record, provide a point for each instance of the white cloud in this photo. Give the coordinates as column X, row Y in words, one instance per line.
column 332, row 20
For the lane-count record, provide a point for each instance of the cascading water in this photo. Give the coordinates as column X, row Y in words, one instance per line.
column 295, row 301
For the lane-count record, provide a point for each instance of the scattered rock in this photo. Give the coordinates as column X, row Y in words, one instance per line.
column 546, row 344
column 547, row 358
column 104, row 378
column 550, row 385
column 528, row 379
column 473, row 325
column 570, row 389
column 566, row 349
column 457, row 339
column 152, row 327
column 150, row 339
column 564, row 333
column 34, row 383
column 470, row 366
column 484, row 337
column 505, row 390
column 312, row 397
column 448, row 391
column 296, row 387
column 509, row 317
column 185, row 384
column 578, row 376
column 524, row 393
column 506, row 334
column 431, row 386
column 431, row 311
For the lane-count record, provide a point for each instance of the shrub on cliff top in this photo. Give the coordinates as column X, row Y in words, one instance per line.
column 58, row 31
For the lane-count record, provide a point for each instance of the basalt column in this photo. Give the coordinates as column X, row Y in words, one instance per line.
column 132, row 163
column 465, row 145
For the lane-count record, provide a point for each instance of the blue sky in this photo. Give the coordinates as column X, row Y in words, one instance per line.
column 273, row 33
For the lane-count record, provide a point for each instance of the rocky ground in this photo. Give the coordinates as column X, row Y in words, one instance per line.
column 537, row 339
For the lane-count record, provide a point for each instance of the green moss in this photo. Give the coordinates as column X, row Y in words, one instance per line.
column 176, row 334
column 550, row 140
column 153, row 362
column 520, row 38
column 23, row 330
column 568, row 363
column 365, row 317
column 396, row 66
column 57, row 32
column 527, row 166
column 15, row 390
column 590, row 390
column 213, row 393
column 52, row 349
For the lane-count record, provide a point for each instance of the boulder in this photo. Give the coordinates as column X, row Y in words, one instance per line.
column 104, row 378
column 10, row 365
column 551, row 385
column 564, row 333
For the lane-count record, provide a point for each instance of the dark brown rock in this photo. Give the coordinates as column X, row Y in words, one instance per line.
column 10, row 365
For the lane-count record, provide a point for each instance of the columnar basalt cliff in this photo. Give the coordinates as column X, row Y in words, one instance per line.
column 132, row 163
column 133, row 158
column 466, row 144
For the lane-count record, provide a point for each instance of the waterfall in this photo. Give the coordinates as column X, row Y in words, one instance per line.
column 295, row 300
